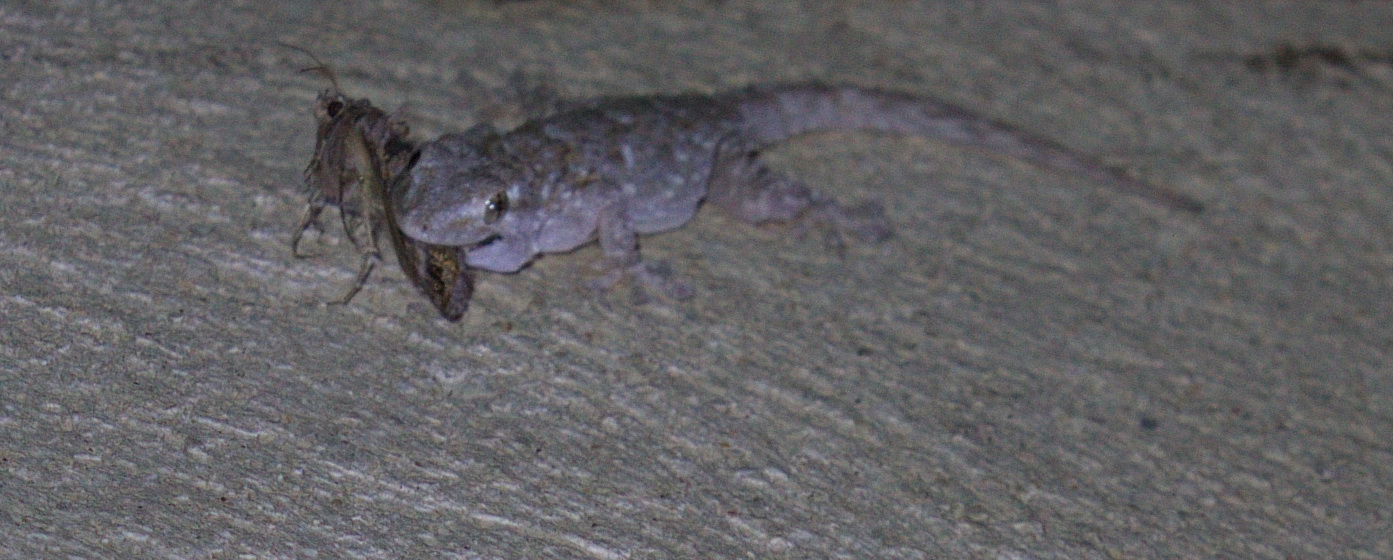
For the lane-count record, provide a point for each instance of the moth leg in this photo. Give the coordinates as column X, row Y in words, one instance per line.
column 369, row 166
column 369, row 262
column 310, row 220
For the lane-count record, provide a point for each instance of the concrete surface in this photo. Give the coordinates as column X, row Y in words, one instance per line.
column 1034, row 368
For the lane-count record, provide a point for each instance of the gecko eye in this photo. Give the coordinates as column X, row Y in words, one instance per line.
column 495, row 207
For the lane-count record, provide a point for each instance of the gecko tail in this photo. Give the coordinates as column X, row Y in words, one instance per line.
column 773, row 114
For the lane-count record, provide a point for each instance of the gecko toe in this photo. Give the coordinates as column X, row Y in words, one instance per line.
column 646, row 276
column 866, row 221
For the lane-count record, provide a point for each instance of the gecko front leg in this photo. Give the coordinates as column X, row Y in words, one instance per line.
column 619, row 242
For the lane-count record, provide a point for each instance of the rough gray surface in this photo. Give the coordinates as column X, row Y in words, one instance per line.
column 1034, row 368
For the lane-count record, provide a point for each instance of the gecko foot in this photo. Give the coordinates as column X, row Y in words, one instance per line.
column 655, row 275
column 864, row 222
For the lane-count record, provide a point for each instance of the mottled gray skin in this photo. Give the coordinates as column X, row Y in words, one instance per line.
column 618, row 167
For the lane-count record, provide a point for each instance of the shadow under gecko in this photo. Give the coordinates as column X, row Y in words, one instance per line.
column 615, row 168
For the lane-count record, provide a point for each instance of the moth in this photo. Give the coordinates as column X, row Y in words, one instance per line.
column 360, row 152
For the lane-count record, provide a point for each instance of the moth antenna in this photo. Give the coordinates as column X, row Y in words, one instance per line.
column 320, row 67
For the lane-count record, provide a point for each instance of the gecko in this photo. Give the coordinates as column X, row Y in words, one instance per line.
column 615, row 168
column 359, row 151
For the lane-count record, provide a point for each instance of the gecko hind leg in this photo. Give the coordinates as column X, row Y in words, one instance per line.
column 744, row 187
column 865, row 221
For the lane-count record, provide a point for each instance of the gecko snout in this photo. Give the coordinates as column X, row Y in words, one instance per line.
column 439, row 227
column 442, row 216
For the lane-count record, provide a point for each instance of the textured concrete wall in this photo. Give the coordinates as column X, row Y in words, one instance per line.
column 1035, row 367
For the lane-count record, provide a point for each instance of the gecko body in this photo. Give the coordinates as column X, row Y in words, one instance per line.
column 615, row 168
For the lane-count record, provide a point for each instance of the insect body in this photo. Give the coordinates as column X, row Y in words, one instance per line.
column 359, row 152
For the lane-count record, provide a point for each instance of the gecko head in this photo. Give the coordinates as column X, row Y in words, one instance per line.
column 456, row 192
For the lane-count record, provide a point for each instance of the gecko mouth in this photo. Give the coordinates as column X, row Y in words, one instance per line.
column 486, row 242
